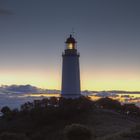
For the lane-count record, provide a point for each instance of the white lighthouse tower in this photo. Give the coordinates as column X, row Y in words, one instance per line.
column 70, row 70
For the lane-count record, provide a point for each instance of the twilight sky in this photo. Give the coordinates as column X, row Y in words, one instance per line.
column 33, row 32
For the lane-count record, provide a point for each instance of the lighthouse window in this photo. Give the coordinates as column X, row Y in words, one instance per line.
column 70, row 46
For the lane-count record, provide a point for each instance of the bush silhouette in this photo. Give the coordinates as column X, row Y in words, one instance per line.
column 5, row 110
column 109, row 103
column 131, row 109
column 77, row 132
column 7, row 113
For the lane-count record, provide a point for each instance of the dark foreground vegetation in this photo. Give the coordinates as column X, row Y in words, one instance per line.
column 68, row 119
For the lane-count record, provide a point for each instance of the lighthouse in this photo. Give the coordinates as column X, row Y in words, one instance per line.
column 70, row 70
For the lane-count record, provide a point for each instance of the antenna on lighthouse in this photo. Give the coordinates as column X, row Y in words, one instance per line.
column 73, row 32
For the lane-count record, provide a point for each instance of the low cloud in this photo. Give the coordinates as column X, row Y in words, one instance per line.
column 20, row 88
column 4, row 12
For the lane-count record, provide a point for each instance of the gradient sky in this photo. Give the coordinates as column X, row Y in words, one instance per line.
column 33, row 32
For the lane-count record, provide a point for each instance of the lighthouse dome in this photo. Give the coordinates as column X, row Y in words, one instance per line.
column 70, row 39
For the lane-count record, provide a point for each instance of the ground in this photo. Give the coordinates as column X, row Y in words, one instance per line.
column 105, row 125
column 110, row 125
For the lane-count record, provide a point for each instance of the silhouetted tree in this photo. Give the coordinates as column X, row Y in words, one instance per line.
column 44, row 103
column 27, row 107
column 53, row 101
column 6, row 110
column 7, row 113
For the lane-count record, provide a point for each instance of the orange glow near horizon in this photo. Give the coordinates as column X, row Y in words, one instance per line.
column 49, row 80
column 110, row 79
column 89, row 80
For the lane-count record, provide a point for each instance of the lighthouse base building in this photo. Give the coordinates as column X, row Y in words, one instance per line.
column 70, row 70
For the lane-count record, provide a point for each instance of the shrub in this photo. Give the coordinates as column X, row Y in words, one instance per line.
column 131, row 109
column 77, row 132
column 109, row 103
column 7, row 113
column 5, row 110
column 82, row 103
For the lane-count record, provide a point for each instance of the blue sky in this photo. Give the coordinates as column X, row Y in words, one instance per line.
column 33, row 32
